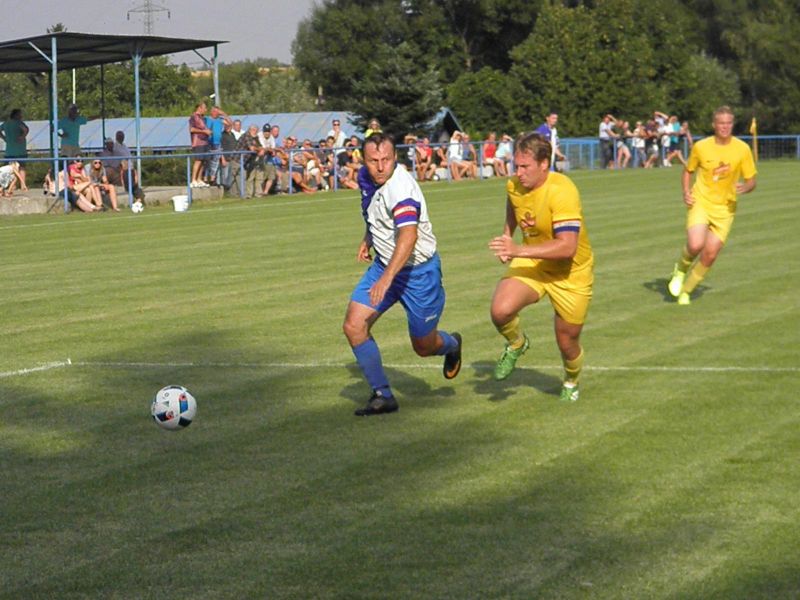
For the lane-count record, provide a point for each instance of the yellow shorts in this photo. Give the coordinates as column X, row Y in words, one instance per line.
column 718, row 217
column 571, row 302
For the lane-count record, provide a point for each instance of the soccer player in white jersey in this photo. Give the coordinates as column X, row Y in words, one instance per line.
column 405, row 269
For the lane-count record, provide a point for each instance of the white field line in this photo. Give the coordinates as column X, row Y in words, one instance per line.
column 339, row 365
column 427, row 365
column 44, row 367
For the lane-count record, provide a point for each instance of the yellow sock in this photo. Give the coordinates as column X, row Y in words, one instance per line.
column 572, row 368
column 685, row 261
column 694, row 277
column 512, row 332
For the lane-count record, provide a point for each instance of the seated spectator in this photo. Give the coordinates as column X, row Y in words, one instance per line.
column 504, row 155
column 455, row 157
column 80, row 183
column 440, row 160
column 75, row 199
column 347, row 167
column 100, row 185
column 355, row 142
column 469, row 155
column 117, row 159
column 296, row 165
column 488, row 151
column 325, row 158
column 9, row 175
column 313, row 173
column 405, row 151
column 424, row 159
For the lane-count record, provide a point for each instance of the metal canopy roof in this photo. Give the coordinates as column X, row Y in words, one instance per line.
column 76, row 50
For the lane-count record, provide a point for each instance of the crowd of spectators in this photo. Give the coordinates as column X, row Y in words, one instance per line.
column 657, row 141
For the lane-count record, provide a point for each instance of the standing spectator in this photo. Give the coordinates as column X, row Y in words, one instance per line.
column 373, row 127
column 406, row 269
column 623, row 152
column 607, row 135
column 339, row 137
column 651, row 143
column 638, row 142
column 548, row 129
column 253, row 163
column 100, row 184
column 14, row 132
column 236, row 130
column 674, row 142
column 228, row 144
column 723, row 169
column 215, row 122
column 200, row 133
column 69, row 130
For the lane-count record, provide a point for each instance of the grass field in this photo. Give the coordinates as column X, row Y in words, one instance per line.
column 675, row 476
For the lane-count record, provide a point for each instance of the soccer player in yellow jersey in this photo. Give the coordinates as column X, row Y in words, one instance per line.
column 724, row 169
column 554, row 259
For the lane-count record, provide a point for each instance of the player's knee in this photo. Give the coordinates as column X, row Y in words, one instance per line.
column 501, row 314
column 354, row 331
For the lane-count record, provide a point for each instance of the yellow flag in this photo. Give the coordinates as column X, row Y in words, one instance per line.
column 754, row 133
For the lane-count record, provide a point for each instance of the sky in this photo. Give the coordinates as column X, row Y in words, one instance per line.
column 253, row 28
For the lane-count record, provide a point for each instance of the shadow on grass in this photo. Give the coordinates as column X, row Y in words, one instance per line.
column 659, row 286
column 497, row 391
column 404, row 385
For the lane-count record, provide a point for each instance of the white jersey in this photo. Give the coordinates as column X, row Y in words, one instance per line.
column 386, row 209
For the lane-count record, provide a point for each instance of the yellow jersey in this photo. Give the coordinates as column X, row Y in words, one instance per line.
column 553, row 207
column 719, row 167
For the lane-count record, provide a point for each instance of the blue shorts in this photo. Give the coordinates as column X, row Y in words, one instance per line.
column 419, row 289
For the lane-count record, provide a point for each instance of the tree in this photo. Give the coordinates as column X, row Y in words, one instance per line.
column 483, row 101
column 397, row 90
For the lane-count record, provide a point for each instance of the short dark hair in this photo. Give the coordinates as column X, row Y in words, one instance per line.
column 378, row 139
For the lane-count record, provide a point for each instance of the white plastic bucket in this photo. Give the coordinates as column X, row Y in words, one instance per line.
column 181, row 203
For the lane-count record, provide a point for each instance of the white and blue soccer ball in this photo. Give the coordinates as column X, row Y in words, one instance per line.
column 137, row 206
column 173, row 407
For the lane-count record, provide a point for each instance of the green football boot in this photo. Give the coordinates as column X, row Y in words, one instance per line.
column 569, row 392
column 676, row 283
column 508, row 360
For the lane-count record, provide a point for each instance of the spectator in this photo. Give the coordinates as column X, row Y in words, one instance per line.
column 504, row 155
column 14, row 132
column 638, row 142
column 651, row 143
column 215, row 122
column 313, row 173
column 100, row 184
column 489, row 150
column 296, row 165
column 116, row 157
column 686, row 134
column 405, row 152
column 78, row 187
column 347, row 168
column 469, row 155
column 69, row 130
column 80, row 183
column 424, row 159
column 664, row 132
column 623, row 152
column 228, row 144
column 373, row 127
column 455, row 157
column 355, row 142
column 236, row 130
column 268, row 138
column 548, row 129
column 607, row 135
column 674, row 142
column 253, row 163
column 339, row 137
column 200, row 133
column 325, row 160
column 9, row 174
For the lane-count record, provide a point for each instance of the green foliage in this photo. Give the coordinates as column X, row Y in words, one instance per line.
column 704, row 84
column 396, row 90
column 484, row 100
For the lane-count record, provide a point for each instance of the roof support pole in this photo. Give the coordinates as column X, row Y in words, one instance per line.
column 103, row 101
column 137, row 59
column 217, row 99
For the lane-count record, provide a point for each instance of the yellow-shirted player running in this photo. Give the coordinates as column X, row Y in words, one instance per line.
column 720, row 163
column 555, row 259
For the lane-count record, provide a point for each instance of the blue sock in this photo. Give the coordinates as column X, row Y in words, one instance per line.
column 449, row 344
column 369, row 359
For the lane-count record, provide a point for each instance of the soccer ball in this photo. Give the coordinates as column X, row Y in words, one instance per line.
column 137, row 206
column 173, row 407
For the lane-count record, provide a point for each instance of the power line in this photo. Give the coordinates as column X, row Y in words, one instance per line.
column 149, row 9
